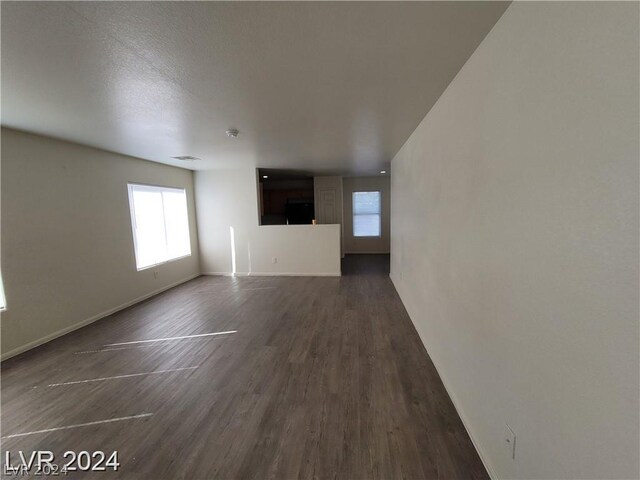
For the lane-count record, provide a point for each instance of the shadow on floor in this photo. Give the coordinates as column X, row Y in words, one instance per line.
column 358, row 264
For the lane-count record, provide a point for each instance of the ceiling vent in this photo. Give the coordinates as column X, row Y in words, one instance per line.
column 186, row 158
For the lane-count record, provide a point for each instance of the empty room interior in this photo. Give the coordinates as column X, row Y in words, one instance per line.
column 320, row 240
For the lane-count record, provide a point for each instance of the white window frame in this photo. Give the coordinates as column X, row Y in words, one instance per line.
column 354, row 214
column 154, row 188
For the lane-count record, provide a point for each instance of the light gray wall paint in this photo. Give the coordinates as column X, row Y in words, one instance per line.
column 366, row 244
column 228, row 199
column 67, row 245
column 515, row 240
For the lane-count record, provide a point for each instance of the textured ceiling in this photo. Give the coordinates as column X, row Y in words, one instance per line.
column 332, row 87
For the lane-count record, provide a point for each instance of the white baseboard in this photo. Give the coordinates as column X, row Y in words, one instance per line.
column 75, row 326
column 455, row 402
column 271, row 274
column 285, row 274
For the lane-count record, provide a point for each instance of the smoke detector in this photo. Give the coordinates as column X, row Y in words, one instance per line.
column 186, row 158
column 232, row 133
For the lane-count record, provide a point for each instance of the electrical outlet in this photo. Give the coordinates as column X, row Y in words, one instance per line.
column 510, row 440
column 274, row 260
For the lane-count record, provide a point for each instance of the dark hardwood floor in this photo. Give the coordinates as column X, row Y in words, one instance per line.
column 323, row 378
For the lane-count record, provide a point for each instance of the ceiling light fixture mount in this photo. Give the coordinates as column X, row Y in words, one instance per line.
column 232, row 133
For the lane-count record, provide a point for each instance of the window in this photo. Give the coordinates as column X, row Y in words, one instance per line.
column 366, row 214
column 160, row 224
column 3, row 301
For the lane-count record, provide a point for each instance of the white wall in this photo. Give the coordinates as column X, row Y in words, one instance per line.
column 67, row 246
column 228, row 199
column 367, row 244
column 515, row 240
